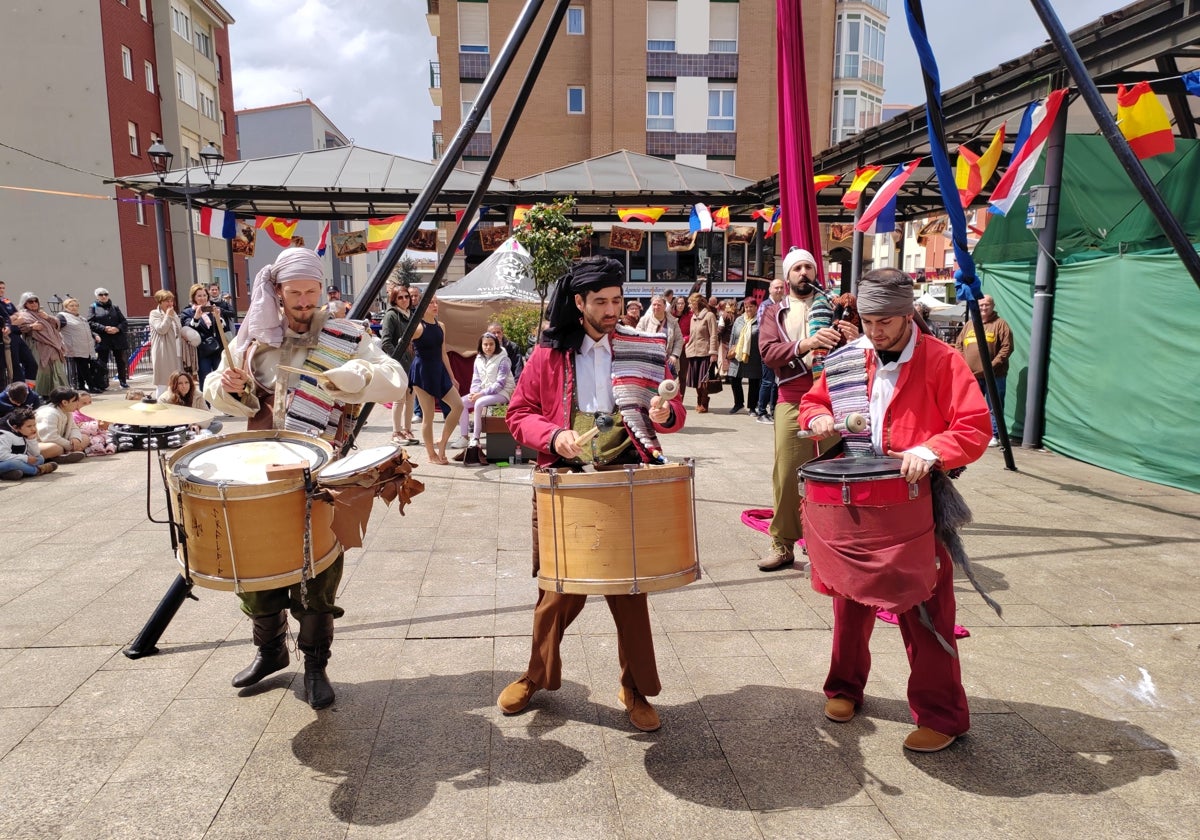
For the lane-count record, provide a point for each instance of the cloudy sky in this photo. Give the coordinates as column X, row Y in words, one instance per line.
column 365, row 63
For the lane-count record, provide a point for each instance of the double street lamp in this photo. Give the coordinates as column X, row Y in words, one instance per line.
column 211, row 160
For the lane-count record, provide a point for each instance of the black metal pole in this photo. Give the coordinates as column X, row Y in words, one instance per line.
column 454, row 152
column 160, row 226
column 485, row 178
column 1043, row 289
column 1108, row 127
column 144, row 644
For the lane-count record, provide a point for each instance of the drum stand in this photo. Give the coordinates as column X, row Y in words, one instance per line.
column 180, row 589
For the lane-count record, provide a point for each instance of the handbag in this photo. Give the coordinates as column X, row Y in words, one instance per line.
column 191, row 336
column 715, row 381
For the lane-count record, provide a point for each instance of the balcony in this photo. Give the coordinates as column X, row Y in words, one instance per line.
column 670, row 65
column 433, row 17
column 435, row 83
column 438, row 145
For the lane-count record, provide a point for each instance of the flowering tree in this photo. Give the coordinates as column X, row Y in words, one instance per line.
column 552, row 241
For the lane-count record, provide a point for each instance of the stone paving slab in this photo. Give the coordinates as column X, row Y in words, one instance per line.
column 1084, row 707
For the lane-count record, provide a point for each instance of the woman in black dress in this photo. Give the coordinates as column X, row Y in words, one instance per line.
column 432, row 380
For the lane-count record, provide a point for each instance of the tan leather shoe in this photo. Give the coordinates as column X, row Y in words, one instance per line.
column 641, row 713
column 779, row 558
column 926, row 740
column 839, row 709
column 516, row 696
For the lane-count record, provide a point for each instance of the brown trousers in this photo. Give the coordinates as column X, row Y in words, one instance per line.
column 554, row 613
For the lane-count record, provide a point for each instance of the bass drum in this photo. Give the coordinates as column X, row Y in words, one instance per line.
column 244, row 531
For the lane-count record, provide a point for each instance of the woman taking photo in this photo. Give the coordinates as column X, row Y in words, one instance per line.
column 432, row 381
column 205, row 318
column 701, row 348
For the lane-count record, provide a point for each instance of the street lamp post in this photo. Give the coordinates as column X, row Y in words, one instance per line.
column 160, row 158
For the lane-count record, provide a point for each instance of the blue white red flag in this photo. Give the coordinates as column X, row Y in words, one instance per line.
column 1028, row 148
column 323, row 242
column 701, row 219
column 885, row 196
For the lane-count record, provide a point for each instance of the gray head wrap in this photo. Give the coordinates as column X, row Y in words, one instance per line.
column 884, row 293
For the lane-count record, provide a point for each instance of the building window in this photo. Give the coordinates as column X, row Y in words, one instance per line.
column 469, row 92
column 575, row 100
column 149, row 68
column 575, row 20
column 185, row 84
column 203, row 43
column 139, row 211
column 722, row 27
column 660, row 26
column 222, row 123
column 473, row 27
column 660, row 109
column 208, row 100
column 220, row 72
column 721, row 103
column 145, row 12
column 133, row 140
column 858, row 48
column 853, row 111
column 145, row 280
column 181, row 24
column 127, row 63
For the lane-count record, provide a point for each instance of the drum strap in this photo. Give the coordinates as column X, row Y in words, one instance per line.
column 846, row 378
column 306, row 570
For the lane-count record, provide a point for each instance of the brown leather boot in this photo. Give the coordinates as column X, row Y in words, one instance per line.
column 270, row 637
column 315, row 640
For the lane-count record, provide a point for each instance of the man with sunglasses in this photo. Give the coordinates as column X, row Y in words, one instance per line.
column 108, row 322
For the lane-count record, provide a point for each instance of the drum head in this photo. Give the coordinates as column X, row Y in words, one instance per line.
column 245, row 462
column 851, row 469
column 358, row 462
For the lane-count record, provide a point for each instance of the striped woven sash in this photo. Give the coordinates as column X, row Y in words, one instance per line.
column 846, row 377
column 309, row 409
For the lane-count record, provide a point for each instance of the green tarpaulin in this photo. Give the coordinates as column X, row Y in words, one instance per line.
column 1123, row 376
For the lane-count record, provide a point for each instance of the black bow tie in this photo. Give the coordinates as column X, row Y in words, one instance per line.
column 888, row 356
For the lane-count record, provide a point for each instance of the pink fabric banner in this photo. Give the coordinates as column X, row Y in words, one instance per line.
column 796, row 194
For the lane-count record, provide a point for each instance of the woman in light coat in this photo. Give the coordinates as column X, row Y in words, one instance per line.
column 166, row 338
column 700, row 348
column 80, row 342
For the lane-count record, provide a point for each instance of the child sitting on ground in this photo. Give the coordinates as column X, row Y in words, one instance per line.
column 19, row 452
column 96, row 431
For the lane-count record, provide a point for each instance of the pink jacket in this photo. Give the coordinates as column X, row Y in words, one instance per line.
column 540, row 406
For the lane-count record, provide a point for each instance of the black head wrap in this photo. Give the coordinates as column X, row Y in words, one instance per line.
column 566, row 331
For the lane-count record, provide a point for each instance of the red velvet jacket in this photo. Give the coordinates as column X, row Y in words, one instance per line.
column 937, row 403
column 541, row 404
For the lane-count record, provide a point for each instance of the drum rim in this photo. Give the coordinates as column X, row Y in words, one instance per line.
column 178, row 460
column 811, row 472
column 323, row 472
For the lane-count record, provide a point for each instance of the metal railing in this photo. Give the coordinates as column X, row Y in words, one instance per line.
column 435, row 74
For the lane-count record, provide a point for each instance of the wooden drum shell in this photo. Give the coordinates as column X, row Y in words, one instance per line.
column 617, row 532
column 258, row 526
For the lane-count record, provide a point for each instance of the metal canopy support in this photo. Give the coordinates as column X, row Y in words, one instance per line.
column 1043, row 287
column 1108, row 127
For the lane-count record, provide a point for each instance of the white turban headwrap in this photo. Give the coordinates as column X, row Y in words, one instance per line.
column 796, row 255
column 264, row 317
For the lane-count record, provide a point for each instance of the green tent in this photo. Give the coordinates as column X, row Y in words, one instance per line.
column 1123, row 377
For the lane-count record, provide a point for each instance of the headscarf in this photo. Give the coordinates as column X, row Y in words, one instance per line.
column 885, row 293
column 264, row 317
column 796, row 255
column 566, row 330
column 100, row 291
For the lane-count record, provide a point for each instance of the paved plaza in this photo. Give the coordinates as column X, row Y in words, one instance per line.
column 1084, row 695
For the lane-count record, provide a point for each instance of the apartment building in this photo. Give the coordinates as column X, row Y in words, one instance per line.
column 102, row 80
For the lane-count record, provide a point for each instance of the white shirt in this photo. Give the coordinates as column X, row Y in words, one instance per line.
column 593, row 375
column 884, row 389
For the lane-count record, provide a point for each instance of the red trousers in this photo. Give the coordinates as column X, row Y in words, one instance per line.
column 935, row 693
column 554, row 613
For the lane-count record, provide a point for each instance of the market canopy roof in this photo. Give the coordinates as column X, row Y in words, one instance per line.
column 1149, row 39
column 350, row 182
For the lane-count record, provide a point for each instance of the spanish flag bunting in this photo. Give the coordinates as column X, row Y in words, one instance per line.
column 1143, row 121
column 649, row 215
column 519, row 213
column 820, row 182
column 764, row 213
column 720, row 219
column 381, row 232
column 280, row 230
column 972, row 172
column 862, row 177
column 775, row 224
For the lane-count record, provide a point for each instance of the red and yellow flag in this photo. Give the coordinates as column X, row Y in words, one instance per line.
column 721, row 219
column 764, row 213
column 972, row 172
column 862, row 177
column 649, row 215
column 1144, row 121
column 774, row 224
column 519, row 213
column 280, row 230
column 381, row 232
column 820, row 182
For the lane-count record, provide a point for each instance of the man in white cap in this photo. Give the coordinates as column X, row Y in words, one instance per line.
column 285, row 325
column 802, row 322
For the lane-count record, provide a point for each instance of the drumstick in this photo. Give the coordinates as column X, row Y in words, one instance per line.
column 853, row 423
column 317, row 375
column 587, row 436
column 668, row 388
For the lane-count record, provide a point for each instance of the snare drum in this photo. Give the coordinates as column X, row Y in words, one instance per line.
column 364, row 468
column 244, row 532
column 617, row 531
column 868, row 532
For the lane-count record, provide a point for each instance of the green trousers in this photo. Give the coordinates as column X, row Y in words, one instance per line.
column 791, row 453
column 322, row 591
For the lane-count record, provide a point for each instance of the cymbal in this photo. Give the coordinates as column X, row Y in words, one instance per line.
column 143, row 413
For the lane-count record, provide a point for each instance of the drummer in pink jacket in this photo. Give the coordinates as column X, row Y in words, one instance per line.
column 924, row 408
column 583, row 375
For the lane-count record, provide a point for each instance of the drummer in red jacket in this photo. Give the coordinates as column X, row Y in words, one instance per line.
column 584, row 371
column 926, row 409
